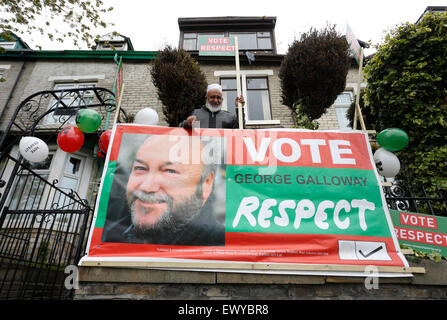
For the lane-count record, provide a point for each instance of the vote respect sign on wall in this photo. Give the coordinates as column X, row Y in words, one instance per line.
column 427, row 233
column 216, row 46
column 263, row 200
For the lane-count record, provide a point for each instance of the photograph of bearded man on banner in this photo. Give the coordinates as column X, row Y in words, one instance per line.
column 160, row 200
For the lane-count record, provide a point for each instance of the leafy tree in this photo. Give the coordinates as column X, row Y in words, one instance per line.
column 407, row 89
column 181, row 85
column 313, row 73
column 77, row 16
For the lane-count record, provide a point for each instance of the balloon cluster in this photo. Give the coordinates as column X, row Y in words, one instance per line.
column 71, row 138
column 387, row 163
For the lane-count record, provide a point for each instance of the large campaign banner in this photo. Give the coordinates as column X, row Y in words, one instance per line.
column 253, row 200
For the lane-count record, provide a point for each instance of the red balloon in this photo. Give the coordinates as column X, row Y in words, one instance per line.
column 104, row 140
column 70, row 139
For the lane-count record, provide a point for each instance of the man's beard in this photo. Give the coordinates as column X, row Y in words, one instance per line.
column 173, row 220
column 212, row 108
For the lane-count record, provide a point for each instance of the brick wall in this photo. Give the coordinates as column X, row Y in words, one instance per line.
column 139, row 91
column 10, row 71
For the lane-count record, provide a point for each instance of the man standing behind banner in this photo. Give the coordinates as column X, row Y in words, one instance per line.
column 211, row 114
column 165, row 199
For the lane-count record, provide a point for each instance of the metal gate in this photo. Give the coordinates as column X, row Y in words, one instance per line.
column 42, row 226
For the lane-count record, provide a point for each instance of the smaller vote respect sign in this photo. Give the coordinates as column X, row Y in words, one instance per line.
column 421, row 232
column 216, row 46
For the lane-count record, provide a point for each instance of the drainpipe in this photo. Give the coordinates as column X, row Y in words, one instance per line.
column 115, row 59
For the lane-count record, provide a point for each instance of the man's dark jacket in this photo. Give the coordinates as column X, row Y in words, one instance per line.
column 221, row 119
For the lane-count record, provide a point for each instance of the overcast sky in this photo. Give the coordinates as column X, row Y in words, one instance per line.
column 152, row 24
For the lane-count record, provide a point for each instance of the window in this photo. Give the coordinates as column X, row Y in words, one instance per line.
column 70, row 179
column 112, row 46
column 191, row 39
column 70, row 100
column 3, row 68
column 246, row 40
column 28, row 189
column 256, row 93
column 71, row 171
column 8, row 45
column 342, row 104
column 253, row 40
column 229, row 88
column 254, row 87
column 258, row 100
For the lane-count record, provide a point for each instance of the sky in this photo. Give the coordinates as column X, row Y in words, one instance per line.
column 151, row 25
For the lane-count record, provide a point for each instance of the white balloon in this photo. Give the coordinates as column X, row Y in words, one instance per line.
column 146, row 116
column 33, row 149
column 388, row 165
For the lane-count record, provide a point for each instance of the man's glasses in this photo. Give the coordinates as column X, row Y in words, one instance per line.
column 216, row 97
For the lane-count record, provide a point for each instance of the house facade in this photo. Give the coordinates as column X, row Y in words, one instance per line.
column 55, row 76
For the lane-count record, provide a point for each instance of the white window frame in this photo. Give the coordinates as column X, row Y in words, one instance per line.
column 352, row 88
column 4, row 67
column 116, row 46
column 244, row 75
column 258, row 35
column 50, row 119
column 56, row 171
column 343, row 106
column 8, row 170
column 8, row 45
column 197, row 36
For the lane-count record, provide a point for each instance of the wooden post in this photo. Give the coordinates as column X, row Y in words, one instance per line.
column 238, row 82
column 358, row 111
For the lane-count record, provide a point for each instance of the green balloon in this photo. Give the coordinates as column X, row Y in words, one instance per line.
column 393, row 139
column 88, row 120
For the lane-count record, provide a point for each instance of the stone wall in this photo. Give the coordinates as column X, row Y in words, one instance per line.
column 138, row 93
column 125, row 283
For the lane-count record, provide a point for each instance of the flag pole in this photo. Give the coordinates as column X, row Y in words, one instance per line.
column 238, row 82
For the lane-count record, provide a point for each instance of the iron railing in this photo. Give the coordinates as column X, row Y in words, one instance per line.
column 416, row 198
column 43, row 227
